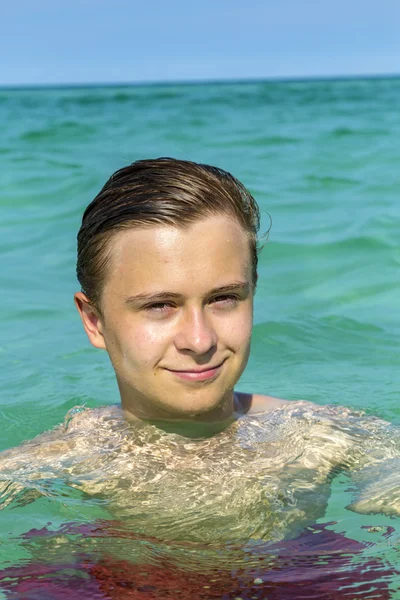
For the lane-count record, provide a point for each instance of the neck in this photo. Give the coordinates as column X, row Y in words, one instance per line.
column 189, row 425
column 192, row 429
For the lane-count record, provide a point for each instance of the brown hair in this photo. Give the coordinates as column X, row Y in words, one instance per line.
column 162, row 191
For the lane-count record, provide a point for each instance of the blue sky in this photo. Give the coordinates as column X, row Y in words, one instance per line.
column 89, row 41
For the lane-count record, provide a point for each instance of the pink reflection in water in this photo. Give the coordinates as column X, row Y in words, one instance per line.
column 319, row 564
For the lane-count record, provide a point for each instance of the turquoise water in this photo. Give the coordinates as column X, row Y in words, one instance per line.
column 320, row 157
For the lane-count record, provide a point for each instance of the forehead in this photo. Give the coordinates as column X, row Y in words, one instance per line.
column 210, row 252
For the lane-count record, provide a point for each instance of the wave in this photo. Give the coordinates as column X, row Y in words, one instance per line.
column 329, row 181
column 340, row 132
column 62, row 131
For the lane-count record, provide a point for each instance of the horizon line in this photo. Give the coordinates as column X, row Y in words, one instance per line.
column 205, row 81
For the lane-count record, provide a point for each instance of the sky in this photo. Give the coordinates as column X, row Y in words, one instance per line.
column 127, row 41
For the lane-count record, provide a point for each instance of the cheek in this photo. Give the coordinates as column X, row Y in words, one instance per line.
column 237, row 332
column 141, row 344
column 154, row 337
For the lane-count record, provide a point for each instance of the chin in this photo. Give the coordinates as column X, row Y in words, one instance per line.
column 194, row 409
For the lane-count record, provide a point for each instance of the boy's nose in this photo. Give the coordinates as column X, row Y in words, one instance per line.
column 196, row 334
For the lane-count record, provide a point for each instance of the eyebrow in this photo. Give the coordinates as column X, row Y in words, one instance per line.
column 139, row 299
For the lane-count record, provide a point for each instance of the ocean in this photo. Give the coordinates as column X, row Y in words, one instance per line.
column 321, row 158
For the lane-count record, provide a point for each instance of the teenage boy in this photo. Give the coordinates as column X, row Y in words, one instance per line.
column 167, row 261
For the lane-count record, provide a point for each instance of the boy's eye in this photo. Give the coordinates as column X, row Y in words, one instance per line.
column 223, row 300
column 226, row 299
column 159, row 306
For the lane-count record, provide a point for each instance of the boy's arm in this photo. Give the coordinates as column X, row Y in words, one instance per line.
column 378, row 488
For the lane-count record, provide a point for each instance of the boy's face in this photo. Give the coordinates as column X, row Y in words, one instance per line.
column 176, row 317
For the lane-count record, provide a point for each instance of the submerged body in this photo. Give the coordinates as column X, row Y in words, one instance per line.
column 265, row 477
column 167, row 261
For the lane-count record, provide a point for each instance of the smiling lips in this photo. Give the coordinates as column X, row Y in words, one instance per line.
column 198, row 374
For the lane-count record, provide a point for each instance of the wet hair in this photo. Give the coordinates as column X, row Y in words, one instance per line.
column 162, row 191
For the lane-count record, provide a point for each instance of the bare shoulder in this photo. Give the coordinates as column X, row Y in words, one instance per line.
column 80, row 424
column 81, row 418
column 258, row 403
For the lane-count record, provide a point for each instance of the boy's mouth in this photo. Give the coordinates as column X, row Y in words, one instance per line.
column 198, row 373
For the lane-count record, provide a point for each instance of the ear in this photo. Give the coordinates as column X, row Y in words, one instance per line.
column 91, row 320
